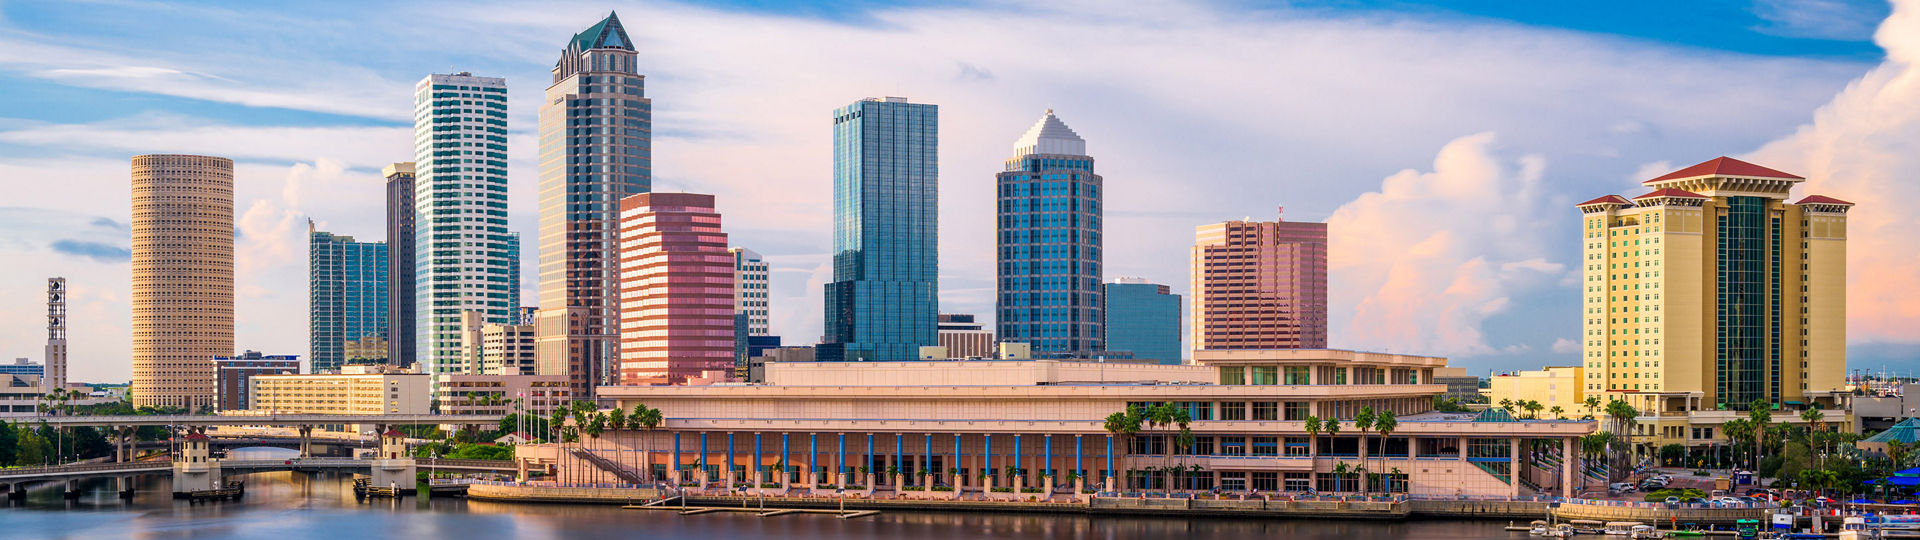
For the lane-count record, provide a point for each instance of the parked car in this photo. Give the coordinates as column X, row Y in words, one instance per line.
column 1622, row 487
column 1672, row 501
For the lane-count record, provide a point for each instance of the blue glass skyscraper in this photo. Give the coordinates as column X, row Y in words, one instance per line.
column 883, row 303
column 1049, row 244
column 1143, row 319
column 347, row 298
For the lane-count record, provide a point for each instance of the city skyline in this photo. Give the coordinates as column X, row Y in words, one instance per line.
column 1513, row 183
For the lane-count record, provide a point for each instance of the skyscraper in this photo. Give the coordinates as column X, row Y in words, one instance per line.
column 884, row 298
column 55, row 373
column 464, row 257
column 1144, row 319
column 1260, row 285
column 1049, row 244
column 346, row 297
column 1713, row 285
column 182, row 277
column 400, row 264
column 595, row 149
column 676, row 289
column 750, row 273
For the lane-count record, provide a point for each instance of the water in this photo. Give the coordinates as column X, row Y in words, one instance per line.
column 296, row 506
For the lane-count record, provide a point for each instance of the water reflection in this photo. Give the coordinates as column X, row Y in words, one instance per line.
column 296, row 506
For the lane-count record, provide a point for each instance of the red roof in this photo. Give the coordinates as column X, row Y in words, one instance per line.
column 1616, row 199
column 1724, row 166
column 1670, row 192
column 197, row 436
column 1822, row 199
column 393, row 433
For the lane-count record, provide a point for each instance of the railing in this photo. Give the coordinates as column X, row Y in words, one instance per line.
column 86, row 467
column 472, row 463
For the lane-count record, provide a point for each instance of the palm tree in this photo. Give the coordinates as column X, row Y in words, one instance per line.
column 1313, row 441
column 1123, row 424
column 1760, row 414
column 1507, row 404
column 1332, row 427
column 1593, row 404
column 1623, row 416
column 1364, row 421
column 1816, row 419
column 1557, row 411
column 1532, row 407
column 649, row 419
column 1385, row 424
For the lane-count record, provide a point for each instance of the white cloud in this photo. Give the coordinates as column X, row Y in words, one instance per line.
column 1431, row 255
column 1566, row 346
column 1818, row 19
column 1864, row 147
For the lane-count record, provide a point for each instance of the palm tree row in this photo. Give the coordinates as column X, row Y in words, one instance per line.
column 588, row 419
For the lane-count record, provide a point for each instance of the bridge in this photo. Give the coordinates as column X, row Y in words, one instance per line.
column 120, row 428
column 14, row 482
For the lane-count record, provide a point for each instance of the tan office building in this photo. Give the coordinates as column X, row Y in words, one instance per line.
column 182, row 277
column 363, row 390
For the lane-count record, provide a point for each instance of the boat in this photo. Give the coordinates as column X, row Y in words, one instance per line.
column 1539, row 528
column 1588, row 526
column 1645, row 531
column 1857, row 528
column 1622, row 528
column 1747, row 529
column 1559, row 531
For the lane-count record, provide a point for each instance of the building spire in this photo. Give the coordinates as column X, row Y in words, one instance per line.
column 1050, row 136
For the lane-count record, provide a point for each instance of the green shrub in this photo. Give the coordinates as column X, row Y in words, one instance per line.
column 1003, row 490
column 943, row 488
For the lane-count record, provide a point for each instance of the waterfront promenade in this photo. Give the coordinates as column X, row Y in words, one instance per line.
column 1286, row 506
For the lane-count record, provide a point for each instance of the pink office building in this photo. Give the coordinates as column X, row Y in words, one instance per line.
column 1260, row 285
column 676, row 289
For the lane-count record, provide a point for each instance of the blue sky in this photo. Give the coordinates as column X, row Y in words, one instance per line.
column 1444, row 140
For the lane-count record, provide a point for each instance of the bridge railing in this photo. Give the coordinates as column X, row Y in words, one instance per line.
column 87, row 467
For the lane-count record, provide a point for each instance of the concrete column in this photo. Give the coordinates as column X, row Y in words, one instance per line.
column 1567, row 449
column 1513, row 467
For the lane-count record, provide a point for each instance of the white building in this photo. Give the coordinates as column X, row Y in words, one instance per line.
column 467, row 260
column 750, row 287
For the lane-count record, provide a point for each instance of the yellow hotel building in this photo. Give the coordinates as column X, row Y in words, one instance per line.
column 1711, row 291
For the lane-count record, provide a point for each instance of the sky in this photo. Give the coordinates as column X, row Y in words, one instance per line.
column 1443, row 142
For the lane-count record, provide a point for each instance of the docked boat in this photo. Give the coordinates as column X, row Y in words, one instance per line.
column 1621, row 528
column 1645, row 531
column 1588, row 526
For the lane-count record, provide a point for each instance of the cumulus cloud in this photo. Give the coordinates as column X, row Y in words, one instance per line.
column 1864, row 147
column 1431, row 255
column 1566, row 346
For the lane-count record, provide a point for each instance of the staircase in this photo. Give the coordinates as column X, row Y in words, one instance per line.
column 610, row 467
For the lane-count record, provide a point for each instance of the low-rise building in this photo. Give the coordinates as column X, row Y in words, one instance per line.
column 1461, row 386
column 506, row 349
column 232, row 374
column 966, row 423
column 359, row 390
column 502, row 394
column 964, row 338
column 1551, row 387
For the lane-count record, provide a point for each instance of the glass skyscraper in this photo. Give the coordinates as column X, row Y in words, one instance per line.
column 465, row 260
column 596, row 140
column 1049, row 244
column 883, row 302
column 347, row 298
column 1143, row 319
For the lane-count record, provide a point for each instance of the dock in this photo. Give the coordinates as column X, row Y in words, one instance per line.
column 762, row 512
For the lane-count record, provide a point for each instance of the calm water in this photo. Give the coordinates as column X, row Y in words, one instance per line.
column 290, row 506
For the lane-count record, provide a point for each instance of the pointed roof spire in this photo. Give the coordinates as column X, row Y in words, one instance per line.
column 606, row 34
column 1050, row 136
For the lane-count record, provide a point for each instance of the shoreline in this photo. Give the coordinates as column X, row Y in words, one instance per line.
column 1413, row 509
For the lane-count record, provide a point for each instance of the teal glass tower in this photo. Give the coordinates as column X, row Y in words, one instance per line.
column 1049, row 244
column 883, row 302
column 1142, row 319
column 347, row 298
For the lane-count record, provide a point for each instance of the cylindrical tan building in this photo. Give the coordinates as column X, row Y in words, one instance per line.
column 182, row 277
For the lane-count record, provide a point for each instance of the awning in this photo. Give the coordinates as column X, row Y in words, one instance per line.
column 1903, row 481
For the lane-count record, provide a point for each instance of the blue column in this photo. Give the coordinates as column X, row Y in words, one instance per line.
column 785, row 456
column 1016, row 453
column 813, row 455
column 676, row 457
column 928, row 456
column 702, row 460
column 869, row 461
column 1076, row 457
column 1110, row 471
column 758, row 458
column 986, row 466
column 900, row 453
column 729, row 462
column 957, row 456
column 843, row 454
column 1046, row 463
